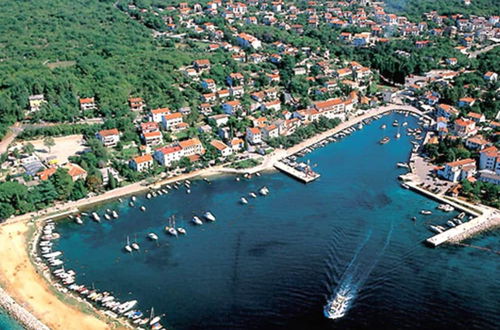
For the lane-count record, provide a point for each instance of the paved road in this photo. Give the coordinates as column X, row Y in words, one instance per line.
column 482, row 50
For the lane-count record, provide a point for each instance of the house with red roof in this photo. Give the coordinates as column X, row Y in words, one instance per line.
column 172, row 119
column 476, row 117
column 166, row 155
column 109, row 137
column 458, row 170
column 464, row 127
column 157, row 114
column 254, row 135
column 466, row 102
column 141, row 163
column 223, row 149
column 87, row 103
column 136, row 104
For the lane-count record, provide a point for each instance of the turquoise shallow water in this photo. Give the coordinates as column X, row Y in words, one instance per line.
column 6, row 323
column 273, row 263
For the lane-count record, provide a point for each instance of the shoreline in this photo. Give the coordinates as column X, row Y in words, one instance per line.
column 62, row 210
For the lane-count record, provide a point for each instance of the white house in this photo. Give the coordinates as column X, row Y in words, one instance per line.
column 248, row 41
column 254, row 135
column 109, row 137
column 458, row 170
column 165, row 156
column 157, row 114
column 223, row 149
column 141, row 163
column 171, row 120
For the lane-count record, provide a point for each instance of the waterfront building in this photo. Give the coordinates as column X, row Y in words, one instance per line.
column 254, row 135
column 458, row 170
column 108, row 172
column 141, row 163
column 192, row 147
column 109, row 137
column 165, row 156
column 237, row 144
column 75, row 171
column 223, row 149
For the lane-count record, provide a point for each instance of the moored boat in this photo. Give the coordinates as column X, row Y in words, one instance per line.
column 385, row 140
column 197, row 221
column 209, row 216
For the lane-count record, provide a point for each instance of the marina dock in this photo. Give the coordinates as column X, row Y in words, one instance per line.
column 304, row 176
column 483, row 219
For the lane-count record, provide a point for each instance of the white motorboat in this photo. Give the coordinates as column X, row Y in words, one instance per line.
column 126, row 306
column 127, row 247
column 264, row 191
column 243, row 200
column 171, row 230
column 451, row 224
column 181, row 231
column 197, row 221
column 148, row 196
column 114, row 214
column 426, row 212
column 253, row 195
column 78, row 220
column 338, row 306
column 135, row 246
column 153, row 236
column 131, row 204
column 237, row 179
column 446, row 208
column 107, row 216
column 383, row 126
column 403, row 165
column 404, row 185
column 143, row 208
column 134, row 198
column 209, row 216
column 436, row 229
column 188, row 191
column 96, row 217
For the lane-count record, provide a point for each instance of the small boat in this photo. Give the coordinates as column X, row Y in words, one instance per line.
column 170, row 229
column 78, row 220
column 135, row 246
column 384, row 140
column 243, row 200
column 237, row 179
column 143, row 208
column 148, row 196
column 131, row 204
column 436, row 229
column 395, row 123
column 253, row 195
column 404, row 185
column 446, row 208
column 96, row 217
column 414, row 218
column 360, row 126
column 264, row 191
column 197, row 221
column 134, row 198
column 209, row 216
column 114, row 214
column 188, row 191
column 426, row 212
column 405, row 124
column 384, row 126
column 461, row 215
column 107, row 216
column 153, row 236
column 451, row 224
column 126, row 306
column 127, row 247
column 403, row 165
column 181, row 231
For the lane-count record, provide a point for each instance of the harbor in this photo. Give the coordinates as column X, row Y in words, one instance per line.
column 300, row 171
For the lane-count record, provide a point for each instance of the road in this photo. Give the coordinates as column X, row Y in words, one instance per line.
column 482, row 50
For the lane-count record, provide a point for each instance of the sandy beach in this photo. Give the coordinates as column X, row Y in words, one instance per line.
column 20, row 278
column 21, row 281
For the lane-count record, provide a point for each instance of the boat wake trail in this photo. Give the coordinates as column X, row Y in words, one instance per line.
column 353, row 278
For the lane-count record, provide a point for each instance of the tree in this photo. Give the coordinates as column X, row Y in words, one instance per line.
column 79, row 190
column 63, row 182
column 29, row 148
column 112, row 183
column 49, row 143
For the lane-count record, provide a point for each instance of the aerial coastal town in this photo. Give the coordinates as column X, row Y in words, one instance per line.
column 246, row 87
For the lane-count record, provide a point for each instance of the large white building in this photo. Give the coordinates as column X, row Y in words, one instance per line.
column 248, row 41
column 165, row 156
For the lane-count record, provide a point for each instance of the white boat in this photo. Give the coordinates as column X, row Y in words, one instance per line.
column 383, row 126
column 135, row 246
column 114, row 214
column 107, row 217
column 143, row 208
column 148, row 196
column 171, row 230
column 188, row 191
column 209, row 216
column 197, row 221
column 404, row 185
column 450, row 224
column 78, row 220
column 426, row 212
column 403, row 165
column 126, row 306
column 181, row 231
column 446, row 208
column 338, row 306
column 436, row 229
column 264, row 191
column 153, row 236
column 134, row 198
column 243, row 200
column 253, row 195
column 96, row 217
column 237, row 179
column 405, row 124
column 154, row 320
column 127, row 247
column 131, row 204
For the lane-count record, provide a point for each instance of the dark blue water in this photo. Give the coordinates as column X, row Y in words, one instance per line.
column 273, row 263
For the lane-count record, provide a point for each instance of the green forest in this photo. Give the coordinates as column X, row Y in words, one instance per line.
column 80, row 48
column 415, row 8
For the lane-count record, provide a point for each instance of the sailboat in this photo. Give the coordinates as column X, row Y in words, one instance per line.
column 197, row 221
column 398, row 134
column 153, row 236
column 127, row 247
column 153, row 319
column 170, row 229
column 135, row 245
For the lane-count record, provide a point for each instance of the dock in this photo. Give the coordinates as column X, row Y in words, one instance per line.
column 303, row 176
column 483, row 219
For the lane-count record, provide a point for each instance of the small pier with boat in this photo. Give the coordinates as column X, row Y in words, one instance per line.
column 300, row 171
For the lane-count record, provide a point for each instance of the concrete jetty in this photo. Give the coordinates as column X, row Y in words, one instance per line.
column 300, row 175
column 484, row 218
column 19, row 313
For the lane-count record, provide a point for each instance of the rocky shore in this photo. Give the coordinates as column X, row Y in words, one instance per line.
column 19, row 313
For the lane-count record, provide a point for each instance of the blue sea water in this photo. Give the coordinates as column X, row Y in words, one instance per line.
column 7, row 323
column 274, row 263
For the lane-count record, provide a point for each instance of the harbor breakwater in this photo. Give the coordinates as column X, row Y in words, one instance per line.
column 19, row 313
